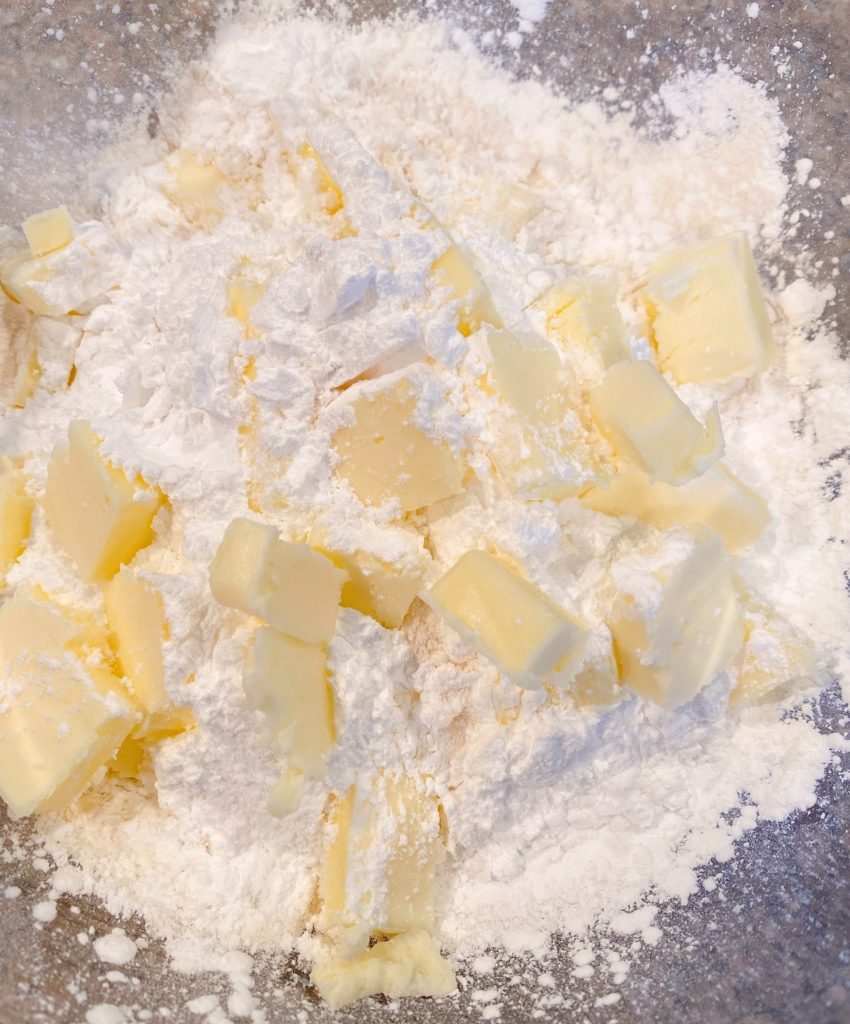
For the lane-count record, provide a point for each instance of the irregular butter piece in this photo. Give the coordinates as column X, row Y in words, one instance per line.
column 684, row 625
column 49, row 230
column 242, row 295
column 99, row 516
column 649, row 425
column 286, row 680
column 196, row 186
column 583, row 311
column 383, row 455
column 15, row 515
column 406, row 965
column 507, row 618
column 707, row 311
column 332, row 197
column 592, row 677
column 136, row 616
column 475, row 305
column 291, row 587
column 379, row 869
column 717, row 499
column 544, row 451
column 62, row 717
column 375, row 586
column 775, row 656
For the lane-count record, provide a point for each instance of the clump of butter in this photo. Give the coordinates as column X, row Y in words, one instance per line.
column 330, row 194
column 592, row 677
column 717, row 499
column 291, row 587
column 378, row 875
column 405, row 965
column 677, row 622
column 775, row 657
column 15, row 515
column 63, row 712
column 194, row 186
column 136, row 616
column 648, row 424
column 507, row 618
column 583, row 311
column 543, row 451
column 382, row 587
column 286, row 680
column 454, row 270
column 243, row 294
column 384, row 455
column 48, row 231
column 99, row 516
column 707, row 312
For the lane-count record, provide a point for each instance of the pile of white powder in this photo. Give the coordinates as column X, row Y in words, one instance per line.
column 558, row 820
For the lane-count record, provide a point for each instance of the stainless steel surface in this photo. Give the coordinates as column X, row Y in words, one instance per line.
column 775, row 949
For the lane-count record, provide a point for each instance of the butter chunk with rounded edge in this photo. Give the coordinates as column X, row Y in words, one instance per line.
column 677, row 623
column 99, row 516
column 286, row 680
column 649, row 425
column 136, row 616
column 63, row 714
column 507, row 618
column 717, row 499
column 195, row 186
column 776, row 655
column 15, row 515
column 291, row 587
column 454, row 270
column 583, row 311
column 707, row 312
column 49, row 230
column 405, row 965
column 378, row 873
column 384, row 455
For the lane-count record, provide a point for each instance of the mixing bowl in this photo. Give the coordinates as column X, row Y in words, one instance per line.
column 776, row 946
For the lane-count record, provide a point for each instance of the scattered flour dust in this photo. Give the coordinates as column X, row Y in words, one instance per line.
column 558, row 820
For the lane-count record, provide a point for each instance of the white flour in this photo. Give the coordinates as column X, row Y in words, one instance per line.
column 557, row 819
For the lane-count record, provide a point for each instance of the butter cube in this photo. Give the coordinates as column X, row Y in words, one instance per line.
column 592, row 676
column 242, row 295
column 287, row 681
column 49, row 230
column 376, row 586
column 63, row 714
column 136, row 616
column 507, row 618
column 543, row 451
column 331, row 195
column 15, row 515
column 384, row 455
column 454, row 270
column 776, row 655
column 583, row 311
column 678, row 623
column 649, row 425
column 291, row 587
column 99, row 516
column 406, row 965
column 379, row 869
column 196, row 186
column 717, row 499
column 707, row 311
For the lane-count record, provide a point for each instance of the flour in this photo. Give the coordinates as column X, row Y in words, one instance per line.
column 558, row 820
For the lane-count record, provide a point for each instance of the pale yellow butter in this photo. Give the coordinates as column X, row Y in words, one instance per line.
column 331, row 195
column 507, row 618
column 375, row 586
column 455, row 271
column 385, row 456
column 583, row 311
column 195, row 186
column 286, row 680
column 650, row 426
column 63, row 713
column 775, row 657
column 243, row 295
column 99, row 516
column 717, row 499
column 707, row 311
column 136, row 616
column 291, row 587
column 48, row 231
column 407, row 965
column 15, row 515
column 591, row 676
column 688, row 626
